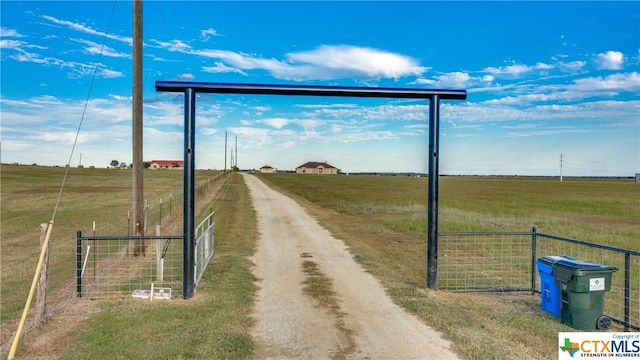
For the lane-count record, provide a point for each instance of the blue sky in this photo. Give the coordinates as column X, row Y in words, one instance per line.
column 544, row 80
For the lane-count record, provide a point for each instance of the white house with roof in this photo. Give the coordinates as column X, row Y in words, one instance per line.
column 266, row 169
column 313, row 167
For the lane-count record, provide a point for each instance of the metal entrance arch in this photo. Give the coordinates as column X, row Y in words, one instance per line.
column 190, row 89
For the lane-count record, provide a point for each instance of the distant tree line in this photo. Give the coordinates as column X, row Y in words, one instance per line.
column 123, row 165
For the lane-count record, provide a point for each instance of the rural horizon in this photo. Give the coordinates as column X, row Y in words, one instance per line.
column 355, row 173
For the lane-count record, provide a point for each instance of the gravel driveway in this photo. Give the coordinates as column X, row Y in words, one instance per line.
column 292, row 325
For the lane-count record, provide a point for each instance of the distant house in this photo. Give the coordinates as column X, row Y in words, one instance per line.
column 638, row 177
column 313, row 167
column 267, row 169
column 166, row 164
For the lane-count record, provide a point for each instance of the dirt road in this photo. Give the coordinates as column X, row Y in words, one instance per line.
column 365, row 324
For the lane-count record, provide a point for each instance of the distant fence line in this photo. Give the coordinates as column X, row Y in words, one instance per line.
column 505, row 261
column 156, row 209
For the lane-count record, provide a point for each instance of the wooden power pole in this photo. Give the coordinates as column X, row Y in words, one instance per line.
column 138, row 189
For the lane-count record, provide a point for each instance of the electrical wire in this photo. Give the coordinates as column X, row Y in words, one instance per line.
column 84, row 111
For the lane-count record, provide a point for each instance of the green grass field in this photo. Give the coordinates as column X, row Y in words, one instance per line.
column 381, row 219
column 29, row 196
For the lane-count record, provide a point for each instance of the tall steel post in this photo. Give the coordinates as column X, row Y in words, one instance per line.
column 225, row 151
column 138, row 192
column 432, row 201
column 188, row 246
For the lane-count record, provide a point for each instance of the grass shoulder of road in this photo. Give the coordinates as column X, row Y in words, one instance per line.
column 214, row 324
column 383, row 222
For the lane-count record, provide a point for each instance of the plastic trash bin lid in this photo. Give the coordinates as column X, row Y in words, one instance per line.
column 573, row 264
column 550, row 260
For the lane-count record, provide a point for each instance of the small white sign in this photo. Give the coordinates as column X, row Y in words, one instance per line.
column 596, row 284
column 157, row 293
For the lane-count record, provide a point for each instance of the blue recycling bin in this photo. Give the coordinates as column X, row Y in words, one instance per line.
column 550, row 296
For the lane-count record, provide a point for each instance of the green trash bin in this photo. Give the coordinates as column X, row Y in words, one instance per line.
column 582, row 285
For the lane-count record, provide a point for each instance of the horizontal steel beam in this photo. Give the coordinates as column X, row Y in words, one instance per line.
column 306, row 90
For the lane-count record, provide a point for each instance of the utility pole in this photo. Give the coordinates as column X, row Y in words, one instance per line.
column 560, row 167
column 236, row 152
column 138, row 191
column 225, row 151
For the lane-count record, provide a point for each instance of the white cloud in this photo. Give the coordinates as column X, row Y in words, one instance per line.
column 609, row 86
column 222, row 68
column 77, row 69
column 359, row 61
column 572, row 66
column 259, row 110
column 208, row 33
column 326, row 62
column 579, row 89
column 186, row 76
column 617, row 113
column 120, row 97
column 517, row 71
column 94, row 48
column 11, row 44
column 611, row 60
column 5, row 32
column 173, row 45
column 542, row 66
column 448, row 80
column 277, row 123
column 514, row 70
column 106, row 73
column 384, row 112
column 87, row 30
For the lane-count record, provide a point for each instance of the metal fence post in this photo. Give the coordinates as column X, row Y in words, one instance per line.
column 534, row 239
column 432, row 201
column 627, row 291
column 79, row 264
column 188, row 255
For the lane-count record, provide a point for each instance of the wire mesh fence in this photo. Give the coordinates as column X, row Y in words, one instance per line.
column 144, row 266
column 474, row 262
column 623, row 301
column 485, row 261
column 107, row 266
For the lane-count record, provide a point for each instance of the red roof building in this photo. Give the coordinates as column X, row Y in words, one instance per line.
column 166, row 164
